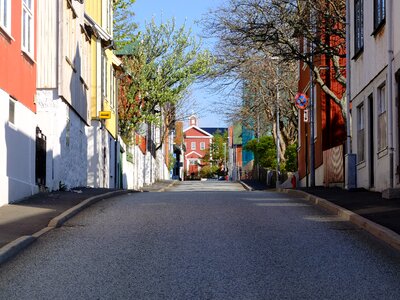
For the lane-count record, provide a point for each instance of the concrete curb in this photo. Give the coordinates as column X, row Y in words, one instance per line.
column 247, row 187
column 384, row 234
column 68, row 214
column 167, row 187
column 14, row 247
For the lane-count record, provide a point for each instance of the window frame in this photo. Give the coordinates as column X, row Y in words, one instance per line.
column 382, row 118
column 27, row 27
column 379, row 14
column 361, row 133
column 202, row 145
column 358, row 26
column 5, row 14
column 192, row 145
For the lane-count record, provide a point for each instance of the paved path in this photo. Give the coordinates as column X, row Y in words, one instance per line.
column 208, row 185
column 203, row 245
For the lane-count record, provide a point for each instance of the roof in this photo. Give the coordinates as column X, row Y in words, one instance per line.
column 215, row 130
column 200, row 130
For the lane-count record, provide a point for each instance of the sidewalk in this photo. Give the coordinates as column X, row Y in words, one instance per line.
column 365, row 209
column 23, row 222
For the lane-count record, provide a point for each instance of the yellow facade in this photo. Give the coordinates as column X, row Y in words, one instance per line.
column 103, row 84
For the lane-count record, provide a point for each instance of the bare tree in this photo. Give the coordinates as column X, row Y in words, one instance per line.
column 275, row 27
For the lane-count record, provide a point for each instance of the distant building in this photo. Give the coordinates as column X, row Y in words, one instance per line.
column 197, row 142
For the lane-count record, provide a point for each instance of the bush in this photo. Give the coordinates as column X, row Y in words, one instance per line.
column 208, row 171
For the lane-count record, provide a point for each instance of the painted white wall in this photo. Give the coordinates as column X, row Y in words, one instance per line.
column 368, row 73
column 66, row 141
column 17, row 152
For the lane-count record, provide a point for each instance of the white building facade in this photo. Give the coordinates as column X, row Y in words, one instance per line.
column 375, row 85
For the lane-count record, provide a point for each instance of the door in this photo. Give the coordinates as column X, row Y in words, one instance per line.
column 371, row 150
column 40, row 161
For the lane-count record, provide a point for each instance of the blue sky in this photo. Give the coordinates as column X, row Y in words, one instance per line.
column 189, row 12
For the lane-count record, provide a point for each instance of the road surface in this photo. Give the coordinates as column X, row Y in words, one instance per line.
column 204, row 240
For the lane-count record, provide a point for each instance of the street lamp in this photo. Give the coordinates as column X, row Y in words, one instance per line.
column 277, row 71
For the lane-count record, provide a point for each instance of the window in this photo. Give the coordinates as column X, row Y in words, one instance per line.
column 202, row 146
column 358, row 25
column 193, row 145
column 103, row 74
column 360, row 133
column 382, row 122
column 379, row 13
column 5, row 15
column 11, row 111
column 27, row 26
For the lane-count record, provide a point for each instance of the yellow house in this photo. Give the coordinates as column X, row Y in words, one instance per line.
column 103, row 133
column 99, row 17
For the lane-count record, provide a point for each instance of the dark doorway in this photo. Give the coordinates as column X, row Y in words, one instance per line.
column 371, row 152
column 40, row 168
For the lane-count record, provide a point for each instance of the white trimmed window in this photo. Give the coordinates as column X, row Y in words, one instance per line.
column 360, row 133
column 193, row 145
column 27, row 26
column 5, row 15
column 202, row 146
column 382, row 121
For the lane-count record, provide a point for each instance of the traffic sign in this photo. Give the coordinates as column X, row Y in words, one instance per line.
column 301, row 101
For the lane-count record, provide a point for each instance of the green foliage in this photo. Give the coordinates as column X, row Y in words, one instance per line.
column 291, row 158
column 264, row 151
column 124, row 24
column 171, row 162
column 219, row 148
column 208, row 171
column 163, row 61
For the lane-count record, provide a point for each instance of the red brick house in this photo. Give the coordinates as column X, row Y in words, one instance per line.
column 197, row 143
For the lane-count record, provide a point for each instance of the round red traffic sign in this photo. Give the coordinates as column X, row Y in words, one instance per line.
column 301, row 101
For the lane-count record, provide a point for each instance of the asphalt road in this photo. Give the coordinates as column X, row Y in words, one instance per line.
column 210, row 240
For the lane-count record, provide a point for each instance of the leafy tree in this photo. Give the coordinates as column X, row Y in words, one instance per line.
column 264, row 151
column 124, row 25
column 291, row 158
column 163, row 61
column 218, row 151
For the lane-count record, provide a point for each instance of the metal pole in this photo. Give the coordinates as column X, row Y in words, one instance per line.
column 277, row 138
column 312, row 134
column 389, row 18
column 348, row 82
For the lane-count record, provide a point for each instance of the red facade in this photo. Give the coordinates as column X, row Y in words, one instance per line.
column 330, row 125
column 18, row 69
column 197, row 144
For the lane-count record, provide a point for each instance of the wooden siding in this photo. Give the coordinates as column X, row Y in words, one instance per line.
column 334, row 165
column 47, row 35
column 18, row 70
column 71, row 86
column 94, row 8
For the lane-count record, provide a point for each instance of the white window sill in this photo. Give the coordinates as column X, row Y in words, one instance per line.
column 29, row 56
column 383, row 152
column 6, row 33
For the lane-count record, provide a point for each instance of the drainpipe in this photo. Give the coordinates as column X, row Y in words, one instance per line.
column 350, row 158
column 389, row 18
column 348, row 82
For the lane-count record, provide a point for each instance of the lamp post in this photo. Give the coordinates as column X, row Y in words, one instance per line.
column 277, row 136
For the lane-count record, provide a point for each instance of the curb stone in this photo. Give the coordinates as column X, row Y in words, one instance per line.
column 167, row 187
column 247, row 187
column 13, row 248
column 384, row 234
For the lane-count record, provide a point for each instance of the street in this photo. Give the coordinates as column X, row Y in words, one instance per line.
column 204, row 240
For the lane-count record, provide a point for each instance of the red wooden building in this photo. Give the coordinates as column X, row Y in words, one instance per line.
column 197, row 143
column 329, row 126
column 18, row 172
